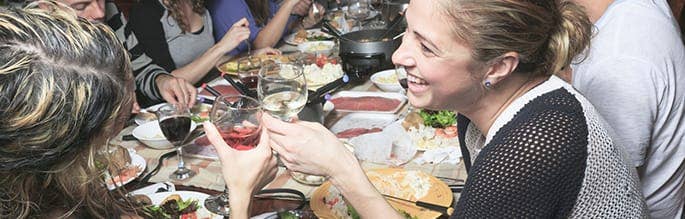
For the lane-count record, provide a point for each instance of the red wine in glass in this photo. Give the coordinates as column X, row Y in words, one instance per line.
column 175, row 128
column 241, row 137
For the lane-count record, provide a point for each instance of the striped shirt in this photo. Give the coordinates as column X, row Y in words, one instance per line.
column 144, row 69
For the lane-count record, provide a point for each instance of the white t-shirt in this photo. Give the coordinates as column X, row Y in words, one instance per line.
column 634, row 74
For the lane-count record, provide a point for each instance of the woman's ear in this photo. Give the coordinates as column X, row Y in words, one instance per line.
column 500, row 68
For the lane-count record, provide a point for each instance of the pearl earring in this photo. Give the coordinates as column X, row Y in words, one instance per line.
column 488, row 84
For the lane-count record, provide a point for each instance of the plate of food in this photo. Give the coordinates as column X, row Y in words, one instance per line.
column 369, row 102
column 321, row 71
column 355, row 124
column 125, row 166
column 429, row 129
column 309, row 35
column 178, row 204
column 251, row 63
column 413, row 185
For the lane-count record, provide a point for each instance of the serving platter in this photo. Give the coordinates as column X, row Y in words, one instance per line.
column 385, row 180
column 367, row 102
column 232, row 67
column 294, row 39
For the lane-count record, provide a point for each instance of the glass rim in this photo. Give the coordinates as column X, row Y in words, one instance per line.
column 222, row 97
column 262, row 74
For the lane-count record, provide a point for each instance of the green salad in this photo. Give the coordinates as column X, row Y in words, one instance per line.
column 438, row 119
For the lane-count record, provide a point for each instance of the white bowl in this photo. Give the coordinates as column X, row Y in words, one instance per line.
column 317, row 47
column 386, row 80
column 151, row 135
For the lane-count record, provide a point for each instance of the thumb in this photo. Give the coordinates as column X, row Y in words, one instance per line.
column 242, row 22
column 263, row 141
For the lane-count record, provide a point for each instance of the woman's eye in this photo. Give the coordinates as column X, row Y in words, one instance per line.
column 425, row 49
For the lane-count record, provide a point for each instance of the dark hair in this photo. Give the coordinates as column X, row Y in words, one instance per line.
column 260, row 11
column 175, row 11
column 64, row 83
column 547, row 34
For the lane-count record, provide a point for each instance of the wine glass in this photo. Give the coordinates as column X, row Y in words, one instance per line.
column 247, row 71
column 282, row 88
column 237, row 119
column 175, row 123
column 359, row 10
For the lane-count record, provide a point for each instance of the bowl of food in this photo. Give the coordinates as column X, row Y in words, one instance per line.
column 386, row 80
column 151, row 135
column 317, row 47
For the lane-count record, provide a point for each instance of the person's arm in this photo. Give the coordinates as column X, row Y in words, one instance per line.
column 626, row 92
column 153, row 83
column 272, row 32
column 310, row 148
column 227, row 12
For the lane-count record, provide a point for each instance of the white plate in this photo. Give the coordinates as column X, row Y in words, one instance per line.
column 290, row 39
column 389, row 95
column 202, row 212
column 136, row 161
column 362, row 120
column 139, row 119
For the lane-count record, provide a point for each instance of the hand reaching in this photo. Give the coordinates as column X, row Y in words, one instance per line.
column 239, row 32
column 176, row 90
column 244, row 170
column 302, row 7
column 308, row 147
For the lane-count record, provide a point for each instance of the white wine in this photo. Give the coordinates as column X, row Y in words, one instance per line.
column 284, row 104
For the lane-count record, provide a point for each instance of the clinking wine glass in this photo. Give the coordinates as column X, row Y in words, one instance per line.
column 237, row 118
column 282, row 88
column 175, row 123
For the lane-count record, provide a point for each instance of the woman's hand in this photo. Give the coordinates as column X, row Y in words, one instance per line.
column 308, row 147
column 313, row 17
column 239, row 32
column 244, row 171
column 268, row 51
column 302, row 7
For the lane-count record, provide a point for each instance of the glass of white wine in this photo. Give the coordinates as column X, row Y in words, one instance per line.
column 282, row 88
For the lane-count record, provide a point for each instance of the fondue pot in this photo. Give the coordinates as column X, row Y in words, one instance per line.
column 363, row 53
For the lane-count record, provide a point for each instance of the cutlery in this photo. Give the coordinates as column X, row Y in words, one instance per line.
column 211, row 90
column 430, row 206
column 320, row 94
column 241, row 88
column 154, row 171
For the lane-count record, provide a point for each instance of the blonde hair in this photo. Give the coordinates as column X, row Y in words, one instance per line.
column 547, row 34
column 63, row 84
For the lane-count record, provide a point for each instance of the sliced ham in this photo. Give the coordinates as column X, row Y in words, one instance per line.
column 354, row 132
column 366, row 103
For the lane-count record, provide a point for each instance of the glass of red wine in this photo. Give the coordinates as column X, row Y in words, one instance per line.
column 237, row 118
column 248, row 71
column 175, row 123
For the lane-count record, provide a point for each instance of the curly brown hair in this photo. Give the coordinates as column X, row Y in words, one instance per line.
column 65, row 87
column 174, row 7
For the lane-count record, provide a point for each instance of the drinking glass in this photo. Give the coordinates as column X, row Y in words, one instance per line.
column 247, row 71
column 175, row 123
column 359, row 10
column 282, row 88
column 237, row 118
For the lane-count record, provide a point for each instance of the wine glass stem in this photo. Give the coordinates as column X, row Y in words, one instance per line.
column 181, row 164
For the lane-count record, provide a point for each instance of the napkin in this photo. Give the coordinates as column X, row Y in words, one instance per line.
column 450, row 155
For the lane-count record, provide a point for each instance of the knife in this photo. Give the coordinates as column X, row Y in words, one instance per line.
column 430, row 206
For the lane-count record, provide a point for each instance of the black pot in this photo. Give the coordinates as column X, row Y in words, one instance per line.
column 363, row 53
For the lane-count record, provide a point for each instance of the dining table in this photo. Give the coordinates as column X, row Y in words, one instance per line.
column 210, row 180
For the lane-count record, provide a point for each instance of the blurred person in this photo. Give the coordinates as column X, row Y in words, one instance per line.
column 540, row 149
column 634, row 74
column 65, row 89
column 153, row 83
column 269, row 20
column 178, row 35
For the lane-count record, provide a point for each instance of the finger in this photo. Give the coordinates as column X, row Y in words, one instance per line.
column 278, row 126
column 192, row 94
column 177, row 93
column 217, row 141
column 242, row 23
column 264, row 141
column 185, row 94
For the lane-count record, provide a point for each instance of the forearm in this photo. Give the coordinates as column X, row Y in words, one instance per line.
column 240, row 201
column 194, row 71
column 273, row 31
column 361, row 194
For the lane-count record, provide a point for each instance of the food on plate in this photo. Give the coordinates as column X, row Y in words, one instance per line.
column 411, row 185
column 387, row 79
column 120, row 158
column 354, row 132
column 124, row 175
column 314, row 47
column 432, row 129
column 316, row 75
column 174, row 206
column 366, row 103
column 244, row 64
column 309, row 35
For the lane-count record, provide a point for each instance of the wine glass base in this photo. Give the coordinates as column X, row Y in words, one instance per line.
column 182, row 174
column 218, row 205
